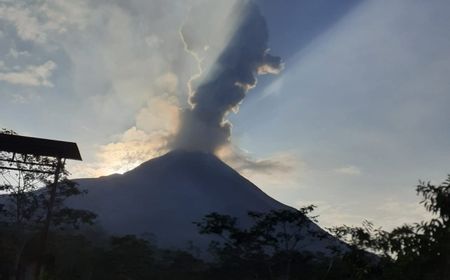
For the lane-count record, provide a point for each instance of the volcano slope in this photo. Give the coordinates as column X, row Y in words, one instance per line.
column 165, row 195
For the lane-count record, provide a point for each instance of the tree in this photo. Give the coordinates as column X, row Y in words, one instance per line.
column 128, row 257
column 26, row 202
column 416, row 251
column 273, row 240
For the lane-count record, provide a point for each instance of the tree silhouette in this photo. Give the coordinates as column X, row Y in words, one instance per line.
column 416, row 251
column 272, row 242
column 25, row 203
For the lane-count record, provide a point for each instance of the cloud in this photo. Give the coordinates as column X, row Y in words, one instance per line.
column 276, row 171
column 350, row 170
column 131, row 149
column 15, row 53
column 394, row 212
column 388, row 213
column 331, row 214
column 154, row 125
column 161, row 114
column 25, row 97
column 37, row 21
column 32, row 75
column 27, row 26
column 134, row 147
column 153, row 41
column 117, row 72
column 242, row 161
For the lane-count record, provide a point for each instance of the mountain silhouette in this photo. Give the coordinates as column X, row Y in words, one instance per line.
column 165, row 195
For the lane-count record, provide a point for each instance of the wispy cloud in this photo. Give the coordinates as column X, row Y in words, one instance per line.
column 330, row 214
column 16, row 53
column 3, row 66
column 243, row 161
column 394, row 212
column 350, row 170
column 34, row 22
column 32, row 75
column 281, row 170
column 388, row 214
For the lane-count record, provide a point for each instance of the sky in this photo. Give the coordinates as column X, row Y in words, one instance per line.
column 356, row 117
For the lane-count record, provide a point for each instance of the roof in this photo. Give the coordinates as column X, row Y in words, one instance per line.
column 39, row 147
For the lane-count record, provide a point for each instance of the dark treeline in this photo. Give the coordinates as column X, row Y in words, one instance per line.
column 275, row 246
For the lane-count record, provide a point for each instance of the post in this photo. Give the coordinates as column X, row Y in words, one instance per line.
column 48, row 219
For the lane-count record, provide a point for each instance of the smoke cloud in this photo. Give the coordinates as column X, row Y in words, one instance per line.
column 224, row 85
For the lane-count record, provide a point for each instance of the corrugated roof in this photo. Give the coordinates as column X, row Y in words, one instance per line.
column 39, row 147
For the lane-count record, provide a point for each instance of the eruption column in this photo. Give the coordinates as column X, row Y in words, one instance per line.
column 203, row 126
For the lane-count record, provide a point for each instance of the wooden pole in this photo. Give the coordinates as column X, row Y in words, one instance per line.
column 48, row 219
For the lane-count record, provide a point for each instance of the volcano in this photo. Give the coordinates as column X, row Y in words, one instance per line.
column 165, row 195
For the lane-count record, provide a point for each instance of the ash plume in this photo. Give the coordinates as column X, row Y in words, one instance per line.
column 204, row 126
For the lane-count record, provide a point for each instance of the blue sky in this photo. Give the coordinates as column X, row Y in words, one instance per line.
column 357, row 116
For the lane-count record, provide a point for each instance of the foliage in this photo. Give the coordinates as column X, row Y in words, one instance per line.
column 119, row 258
column 417, row 251
column 268, row 248
column 25, row 202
